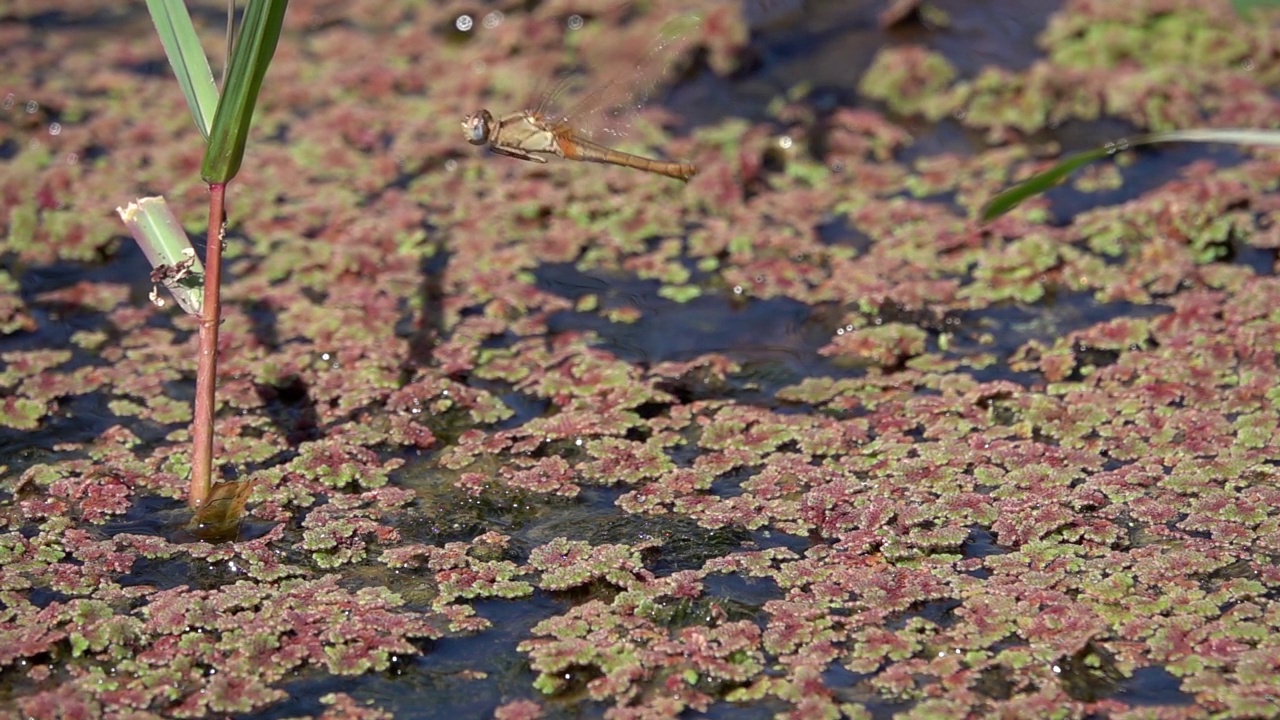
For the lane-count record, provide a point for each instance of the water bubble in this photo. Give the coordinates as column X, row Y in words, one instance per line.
column 837, row 166
column 72, row 158
column 785, row 142
column 479, row 66
column 578, row 442
column 9, row 100
column 1247, row 64
column 574, row 22
column 325, row 356
column 31, row 107
column 959, row 113
column 839, row 331
column 450, row 165
column 759, row 279
column 464, row 23
column 849, row 327
column 1110, row 148
column 55, row 128
column 737, row 289
column 493, row 19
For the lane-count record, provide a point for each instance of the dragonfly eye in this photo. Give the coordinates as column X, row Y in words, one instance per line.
column 477, row 127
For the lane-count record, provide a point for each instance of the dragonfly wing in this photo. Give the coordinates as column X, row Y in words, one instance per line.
column 608, row 108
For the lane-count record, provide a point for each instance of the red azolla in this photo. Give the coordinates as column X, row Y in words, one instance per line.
column 549, row 475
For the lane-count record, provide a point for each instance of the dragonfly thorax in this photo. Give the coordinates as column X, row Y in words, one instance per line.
column 478, row 127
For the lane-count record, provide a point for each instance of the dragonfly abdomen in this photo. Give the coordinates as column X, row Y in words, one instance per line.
column 579, row 149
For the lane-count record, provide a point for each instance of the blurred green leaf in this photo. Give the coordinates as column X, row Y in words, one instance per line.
column 1245, row 7
column 186, row 56
column 249, row 62
column 1036, row 184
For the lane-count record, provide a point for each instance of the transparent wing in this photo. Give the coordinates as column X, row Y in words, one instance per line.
column 608, row 109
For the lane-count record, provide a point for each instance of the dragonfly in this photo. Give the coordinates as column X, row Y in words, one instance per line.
column 579, row 133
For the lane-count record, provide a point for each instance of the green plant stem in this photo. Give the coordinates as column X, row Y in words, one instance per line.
column 207, row 367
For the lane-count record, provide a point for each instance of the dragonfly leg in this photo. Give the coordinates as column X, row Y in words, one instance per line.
column 518, row 154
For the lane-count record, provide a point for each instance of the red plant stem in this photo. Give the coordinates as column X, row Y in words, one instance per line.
column 207, row 367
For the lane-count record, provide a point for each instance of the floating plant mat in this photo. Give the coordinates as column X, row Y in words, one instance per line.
column 801, row 436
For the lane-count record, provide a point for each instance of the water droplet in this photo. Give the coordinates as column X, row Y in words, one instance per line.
column 839, row 331
column 737, row 289
column 960, row 113
column 574, row 22
column 785, row 142
column 55, row 128
column 72, row 158
column 9, row 100
column 493, row 19
column 464, row 23
column 450, row 165
column 1110, row 148
column 32, row 106
column 1247, row 64
column 837, row 166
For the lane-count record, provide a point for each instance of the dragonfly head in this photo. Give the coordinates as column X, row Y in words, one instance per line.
column 478, row 127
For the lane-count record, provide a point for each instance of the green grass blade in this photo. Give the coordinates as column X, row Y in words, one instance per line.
column 186, row 56
column 249, row 62
column 1234, row 136
column 1036, row 184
